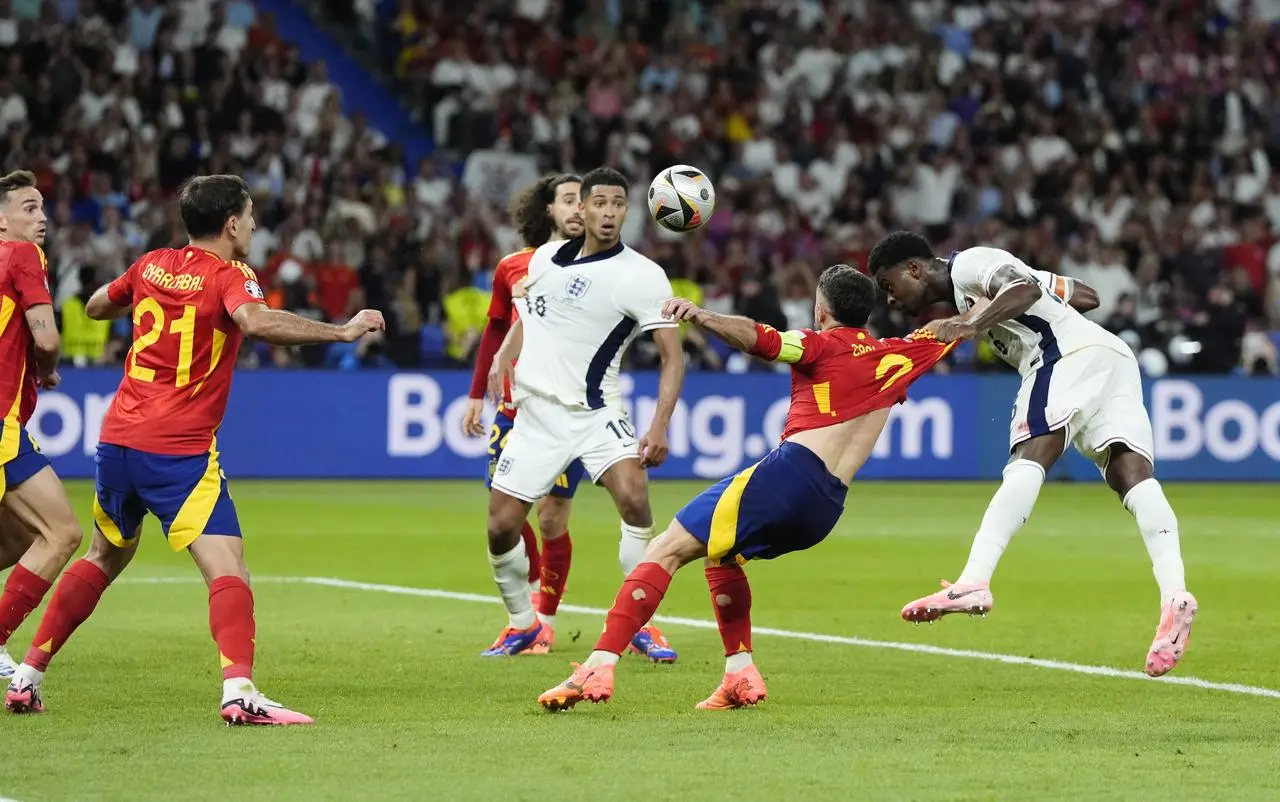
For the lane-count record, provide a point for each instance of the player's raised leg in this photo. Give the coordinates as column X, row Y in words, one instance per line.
column 1132, row 476
column 637, row 600
column 628, row 484
column 37, row 504
column 742, row 685
column 1009, row 509
column 74, row 600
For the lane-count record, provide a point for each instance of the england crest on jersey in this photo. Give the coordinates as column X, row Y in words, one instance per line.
column 577, row 286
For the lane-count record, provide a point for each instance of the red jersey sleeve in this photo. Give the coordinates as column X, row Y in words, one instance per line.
column 500, row 298
column 239, row 287
column 120, row 291
column 30, row 277
column 796, row 347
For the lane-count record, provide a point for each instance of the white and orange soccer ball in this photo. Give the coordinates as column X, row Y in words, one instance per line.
column 681, row 198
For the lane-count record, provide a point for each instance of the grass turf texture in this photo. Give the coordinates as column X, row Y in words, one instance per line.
column 406, row 708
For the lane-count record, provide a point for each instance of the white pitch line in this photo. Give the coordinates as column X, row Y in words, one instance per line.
column 815, row 637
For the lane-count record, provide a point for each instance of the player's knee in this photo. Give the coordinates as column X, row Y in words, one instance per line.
column 1126, row 469
column 63, row 533
column 633, row 507
column 553, row 517
column 675, row 548
column 504, row 529
column 631, row 495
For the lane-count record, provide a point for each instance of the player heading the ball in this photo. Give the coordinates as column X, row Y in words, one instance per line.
column 1080, row 386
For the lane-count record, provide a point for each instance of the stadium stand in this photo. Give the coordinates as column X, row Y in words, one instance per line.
column 1129, row 144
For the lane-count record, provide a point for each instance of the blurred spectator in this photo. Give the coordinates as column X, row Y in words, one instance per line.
column 84, row 341
column 466, row 311
column 1130, row 144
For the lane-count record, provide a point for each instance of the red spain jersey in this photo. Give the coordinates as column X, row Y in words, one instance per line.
column 511, row 269
column 24, row 283
column 177, row 376
column 844, row 373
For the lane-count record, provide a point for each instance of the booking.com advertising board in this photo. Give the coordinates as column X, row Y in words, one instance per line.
column 302, row 424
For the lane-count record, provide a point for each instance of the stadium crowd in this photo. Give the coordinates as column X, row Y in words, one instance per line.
column 1127, row 143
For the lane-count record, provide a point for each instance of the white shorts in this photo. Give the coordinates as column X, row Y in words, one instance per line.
column 547, row 436
column 1095, row 394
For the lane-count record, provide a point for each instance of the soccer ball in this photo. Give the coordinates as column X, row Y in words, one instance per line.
column 681, row 198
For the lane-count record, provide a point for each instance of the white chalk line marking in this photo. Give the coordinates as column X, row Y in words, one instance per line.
column 695, row 623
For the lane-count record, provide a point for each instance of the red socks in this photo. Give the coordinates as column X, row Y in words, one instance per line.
column 73, row 602
column 531, row 548
column 635, row 604
column 231, row 622
column 557, row 553
column 22, row 593
column 731, row 598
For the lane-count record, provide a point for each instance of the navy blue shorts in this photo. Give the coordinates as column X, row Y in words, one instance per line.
column 188, row 493
column 564, row 487
column 19, row 455
column 786, row 502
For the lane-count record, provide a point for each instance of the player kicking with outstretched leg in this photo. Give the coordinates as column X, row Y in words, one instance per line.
column 157, row 453
column 548, row 209
column 1080, row 385
column 843, row 384
column 581, row 305
column 39, row 531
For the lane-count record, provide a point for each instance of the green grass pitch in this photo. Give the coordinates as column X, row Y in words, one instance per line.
column 407, row 710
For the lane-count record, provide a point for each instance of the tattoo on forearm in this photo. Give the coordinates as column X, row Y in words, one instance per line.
column 38, row 325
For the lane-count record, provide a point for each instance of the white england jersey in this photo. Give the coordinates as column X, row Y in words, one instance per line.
column 1044, row 333
column 579, row 316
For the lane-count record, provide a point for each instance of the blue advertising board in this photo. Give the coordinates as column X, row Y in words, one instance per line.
column 303, row 424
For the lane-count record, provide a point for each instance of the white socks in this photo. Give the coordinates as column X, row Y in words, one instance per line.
column 599, row 658
column 634, row 543
column 1008, row 511
column 1159, row 527
column 26, row 673
column 736, row 662
column 511, row 574
column 237, row 688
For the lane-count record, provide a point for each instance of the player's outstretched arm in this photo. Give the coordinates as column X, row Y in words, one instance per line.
column 285, row 328
column 100, row 306
column 739, row 332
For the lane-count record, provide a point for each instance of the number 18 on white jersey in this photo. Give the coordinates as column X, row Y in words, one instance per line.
column 579, row 316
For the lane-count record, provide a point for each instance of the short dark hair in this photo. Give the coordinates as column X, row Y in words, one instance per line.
column 850, row 294
column 604, row 177
column 529, row 207
column 897, row 248
column 208, row 201
column 18, row 179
